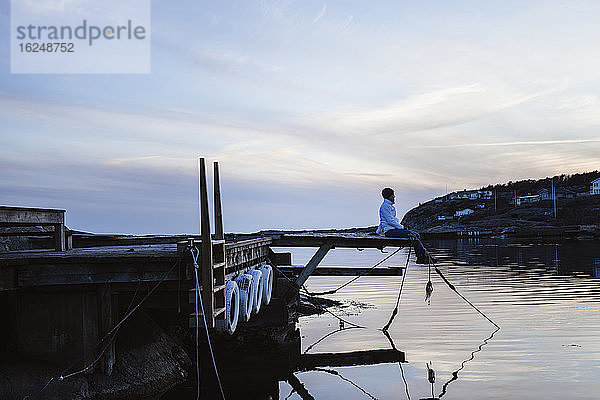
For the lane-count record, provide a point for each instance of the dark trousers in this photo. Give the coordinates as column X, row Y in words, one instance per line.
column 405, row 233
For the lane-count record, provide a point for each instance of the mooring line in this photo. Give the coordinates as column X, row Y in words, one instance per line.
column 212, row 355
column 327, row 335
column 389, row 338
column 395, row 311
column 336, row 373
column 464, row 363
column 451, row 286
column 384, row 259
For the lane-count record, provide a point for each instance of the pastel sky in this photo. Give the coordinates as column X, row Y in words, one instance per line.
column 311, row 107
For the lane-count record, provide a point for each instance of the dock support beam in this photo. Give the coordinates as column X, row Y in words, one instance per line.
column 313, row 263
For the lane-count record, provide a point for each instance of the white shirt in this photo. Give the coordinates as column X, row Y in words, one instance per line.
column 387, row 217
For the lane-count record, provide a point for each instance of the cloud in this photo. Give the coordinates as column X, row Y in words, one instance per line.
column 436, row 109
column 320, row 14
column 516, row 143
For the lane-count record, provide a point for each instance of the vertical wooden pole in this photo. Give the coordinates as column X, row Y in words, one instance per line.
column 207, row 266
column 59, row 237
column 219, row 234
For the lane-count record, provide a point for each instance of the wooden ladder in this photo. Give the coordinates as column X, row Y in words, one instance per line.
column 213, row 265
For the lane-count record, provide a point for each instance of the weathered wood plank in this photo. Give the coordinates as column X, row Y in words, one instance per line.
column 65, row 274
column 345, row 271
column 362, row 241
column 115, row 264
column 24, row 216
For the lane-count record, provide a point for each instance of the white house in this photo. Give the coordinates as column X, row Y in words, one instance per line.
column 595, row 186
column 528, row 199
column 466, row 211
column 485, row 194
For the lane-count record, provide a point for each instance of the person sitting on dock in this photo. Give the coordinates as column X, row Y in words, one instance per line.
column 389, row 226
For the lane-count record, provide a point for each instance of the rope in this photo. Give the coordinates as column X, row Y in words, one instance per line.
column 451, row 286
column 303, row 288
column 199, row 297
column 336, row 373
column 462, row 365
column 389, row 323
column 62, row 376
column 326, row 336
column 389, row 338
column 358, row 276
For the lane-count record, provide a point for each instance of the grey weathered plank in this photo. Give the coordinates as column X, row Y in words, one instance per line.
column 339, row 240
column 24, row 216
column 345, row 271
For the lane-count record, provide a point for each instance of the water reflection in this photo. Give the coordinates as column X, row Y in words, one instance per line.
column 569, row 257
column 543, row 295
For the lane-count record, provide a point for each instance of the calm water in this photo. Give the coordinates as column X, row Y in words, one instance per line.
column 544, row 296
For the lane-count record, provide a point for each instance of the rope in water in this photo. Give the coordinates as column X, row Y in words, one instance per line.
column 389, row 338
column 395, row 311
column 464, row 363
column 336, row 373
column 453, row 288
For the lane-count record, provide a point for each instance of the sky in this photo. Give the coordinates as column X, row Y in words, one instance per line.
column 310, row 107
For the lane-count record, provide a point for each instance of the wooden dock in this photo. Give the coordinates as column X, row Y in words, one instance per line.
column 58, row 302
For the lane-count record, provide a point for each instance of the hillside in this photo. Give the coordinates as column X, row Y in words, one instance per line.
column 516, row 207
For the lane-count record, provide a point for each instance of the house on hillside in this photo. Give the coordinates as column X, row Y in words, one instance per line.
column 545, row 194
column 565, row 193
column 459, row 195
column 531, row 198
column 595, row 186
column 471, row 195
column 485, row 194
column 466, row 211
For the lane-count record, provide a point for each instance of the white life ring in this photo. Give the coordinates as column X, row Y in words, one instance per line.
column 257, row 288
column 267, row 276
column 244, row 282
column 232, row 308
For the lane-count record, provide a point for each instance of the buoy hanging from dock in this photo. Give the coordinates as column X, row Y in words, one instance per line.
column 232, row 308
column 257, row 288
column 244, row 282
column 267, row 277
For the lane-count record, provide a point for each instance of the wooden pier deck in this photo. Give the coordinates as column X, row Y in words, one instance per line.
column 61, row 297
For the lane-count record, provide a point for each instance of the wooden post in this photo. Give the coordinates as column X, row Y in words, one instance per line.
column 106, row 323
column 59, row 237
column 206, row 266
column 219, row 234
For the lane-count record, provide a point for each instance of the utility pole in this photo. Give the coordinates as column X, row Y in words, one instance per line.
column 495, row 196
column 554, row 197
